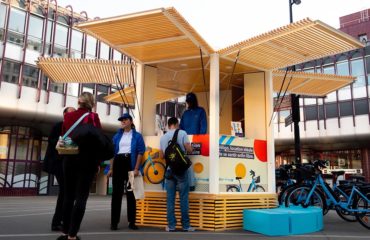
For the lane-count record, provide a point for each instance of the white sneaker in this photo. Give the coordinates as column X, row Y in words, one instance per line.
column 168, row 229
column 189, row 229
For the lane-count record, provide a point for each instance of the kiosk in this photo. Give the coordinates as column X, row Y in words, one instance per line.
column 171, row 59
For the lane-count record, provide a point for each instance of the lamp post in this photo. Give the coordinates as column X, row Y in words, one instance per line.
column 295, row 102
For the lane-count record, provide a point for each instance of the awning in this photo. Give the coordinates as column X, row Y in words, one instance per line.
column 292, row 44
column 312, row 84
column 68, row 70
column 128, row 96
column 149, row 37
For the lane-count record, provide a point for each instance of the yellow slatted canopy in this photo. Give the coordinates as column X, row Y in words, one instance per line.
column 295, row 43
column 165, row 40
column 68, row 70
column 313, row 84
column 149, row 37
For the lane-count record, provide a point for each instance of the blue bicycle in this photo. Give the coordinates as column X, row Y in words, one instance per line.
column 253, row 186
column 357, row 203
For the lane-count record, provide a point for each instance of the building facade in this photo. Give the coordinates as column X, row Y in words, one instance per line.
column 335, row 128
column 30, row 104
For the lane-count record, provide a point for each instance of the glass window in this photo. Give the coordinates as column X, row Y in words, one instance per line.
column 2, row 15
column 368, row 65
column 88, row 87
column 30, row 75
column 321, row 112
column 11, row 71
column 63, row 19
column 331, row 110
column 309, row 70
column 61, row 35
column 345, row 109
column 328, row 69
column 76, row 43
column 56, row 87
column 342, row 68
column 357, row 67
column 283, row 115
column 361, row 106
column 310, row 113
column 90, row 46
column 35, row 27
column 117, row 55
column 102, row 92
column 104, row 51
column 15, row 38
column 17, row 20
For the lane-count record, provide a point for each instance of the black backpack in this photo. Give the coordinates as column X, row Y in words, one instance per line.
column 175, row 157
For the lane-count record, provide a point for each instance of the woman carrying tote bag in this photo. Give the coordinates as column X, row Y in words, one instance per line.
column 79, row 170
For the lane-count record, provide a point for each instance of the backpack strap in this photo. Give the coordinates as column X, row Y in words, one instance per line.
column 75, row 125
column 174, row 138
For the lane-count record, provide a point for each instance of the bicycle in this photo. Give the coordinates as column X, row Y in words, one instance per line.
column 153, row 169
column 319, row 194
column 253, row 186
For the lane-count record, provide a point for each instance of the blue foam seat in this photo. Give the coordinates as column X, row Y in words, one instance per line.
column 283, row 221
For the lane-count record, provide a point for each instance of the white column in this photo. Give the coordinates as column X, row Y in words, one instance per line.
column 139, row 81
column 270, row 133
column 148, row 108
column 214, row 119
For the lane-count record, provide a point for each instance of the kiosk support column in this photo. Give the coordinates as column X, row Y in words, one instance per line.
column 139, row 81
column 214, row 120
column 270, row 133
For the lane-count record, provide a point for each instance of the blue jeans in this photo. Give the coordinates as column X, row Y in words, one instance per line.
column 182, row 183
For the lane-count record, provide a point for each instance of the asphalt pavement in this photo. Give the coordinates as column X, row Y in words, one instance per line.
column 29, row 218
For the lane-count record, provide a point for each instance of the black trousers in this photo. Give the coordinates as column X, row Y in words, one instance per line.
column 58, row 214
column 79, row 173
column 121, row 166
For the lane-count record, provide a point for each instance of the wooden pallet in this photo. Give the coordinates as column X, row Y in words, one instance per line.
column 212, row 212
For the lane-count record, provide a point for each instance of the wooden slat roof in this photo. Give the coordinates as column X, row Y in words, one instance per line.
column 313, row 84
column 150, row 36
column 64, row 70
column 292, row 44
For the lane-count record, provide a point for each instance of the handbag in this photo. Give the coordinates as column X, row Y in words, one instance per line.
column 68, row 147
column 136, row 184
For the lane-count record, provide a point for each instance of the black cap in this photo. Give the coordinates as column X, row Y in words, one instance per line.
column 125, row 116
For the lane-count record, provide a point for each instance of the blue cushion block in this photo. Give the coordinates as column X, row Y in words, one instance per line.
column 283, row 221
column 266, row 221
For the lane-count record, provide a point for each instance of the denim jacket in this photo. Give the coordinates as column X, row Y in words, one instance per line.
column 137, row 145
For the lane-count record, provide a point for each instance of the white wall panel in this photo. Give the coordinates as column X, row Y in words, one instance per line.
column 13, row 52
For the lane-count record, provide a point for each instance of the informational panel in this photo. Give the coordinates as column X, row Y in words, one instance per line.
column 239, row 157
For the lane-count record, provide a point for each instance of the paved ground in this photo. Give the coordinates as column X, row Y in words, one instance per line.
column 29, row 218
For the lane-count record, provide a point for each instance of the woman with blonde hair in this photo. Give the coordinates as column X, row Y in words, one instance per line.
column 79, row 169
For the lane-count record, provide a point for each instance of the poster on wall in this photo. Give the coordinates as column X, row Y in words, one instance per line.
column 243, row 164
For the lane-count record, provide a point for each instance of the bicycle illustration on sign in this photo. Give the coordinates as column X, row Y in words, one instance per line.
column 154, row 167
column 253, row 186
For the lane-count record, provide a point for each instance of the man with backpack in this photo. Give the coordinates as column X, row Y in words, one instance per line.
column 173, row 146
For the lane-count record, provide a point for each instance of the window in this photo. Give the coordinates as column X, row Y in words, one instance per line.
column 310, row 112
column 2, row 15
column 328, row 69
column 345, row 109
column 104, row 51
column 63, row 19
column 117, row 55
column 282, row 115
column 362, row 38
column 30, row 75
column 321, row 112
column 76, row 44
column 90, row 46
column 61, row 40
column 11, row 71
column 361, row 106
column 331, row 110
column 17, row 20
column 170, row 109
column 35, row 33
column 56, row 87
column 342, row 68
column 357, row 67
column 102, row 92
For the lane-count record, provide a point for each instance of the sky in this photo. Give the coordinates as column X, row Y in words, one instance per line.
column 225, row 22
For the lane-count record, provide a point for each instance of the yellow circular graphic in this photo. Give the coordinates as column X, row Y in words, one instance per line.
column 198, row 168
column 240, row 170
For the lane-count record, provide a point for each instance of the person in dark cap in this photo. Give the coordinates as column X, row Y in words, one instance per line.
column 193, row 121
column 129, row 148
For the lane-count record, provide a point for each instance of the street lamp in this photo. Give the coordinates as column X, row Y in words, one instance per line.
column 295, row 102
column 291, row 2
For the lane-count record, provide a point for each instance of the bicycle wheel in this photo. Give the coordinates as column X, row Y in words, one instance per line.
column 298, row 196
column 284, row 192
column 259, row 189
column 155, row 172
column 345, row 214
column 232, row 189
column 363, row 214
